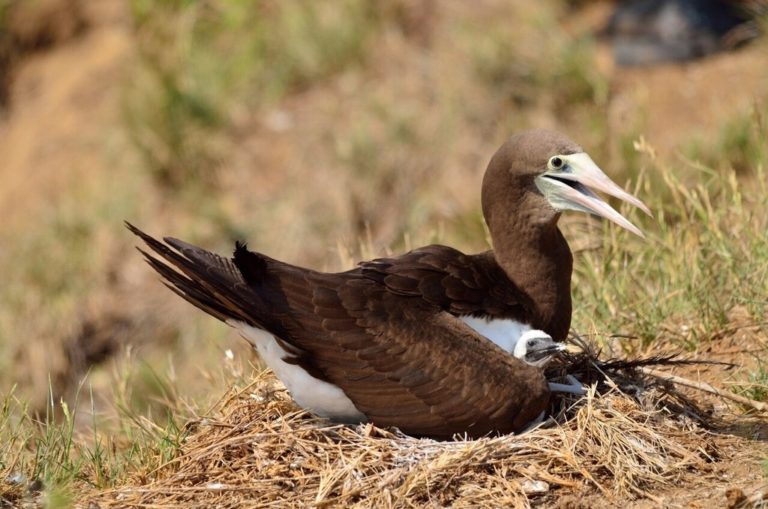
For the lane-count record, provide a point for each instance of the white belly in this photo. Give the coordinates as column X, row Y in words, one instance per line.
column 317, row 396
column 504, row 332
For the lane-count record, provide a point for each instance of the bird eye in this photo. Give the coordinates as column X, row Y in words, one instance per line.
column 531, row 343
column 556, row 163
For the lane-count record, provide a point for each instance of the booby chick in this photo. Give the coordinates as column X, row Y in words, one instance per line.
column 537, row 348
column 422, row 341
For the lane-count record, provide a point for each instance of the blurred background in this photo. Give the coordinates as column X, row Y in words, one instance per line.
column 324, row 132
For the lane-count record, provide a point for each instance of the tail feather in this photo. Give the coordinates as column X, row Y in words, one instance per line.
column 207, row 281
column 206, row 258
column 252, row 266
column 191, row 291
column 203, row 303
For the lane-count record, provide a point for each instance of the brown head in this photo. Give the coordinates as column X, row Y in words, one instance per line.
column 530, row 181
column 539, row 173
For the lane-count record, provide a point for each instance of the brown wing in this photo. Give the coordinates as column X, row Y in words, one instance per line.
column 430, row 374
column 402, row 362
column 458, row 283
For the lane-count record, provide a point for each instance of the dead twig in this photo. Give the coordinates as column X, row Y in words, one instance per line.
column 705, row 387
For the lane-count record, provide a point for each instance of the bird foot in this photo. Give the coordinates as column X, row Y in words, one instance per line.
column 572, row 387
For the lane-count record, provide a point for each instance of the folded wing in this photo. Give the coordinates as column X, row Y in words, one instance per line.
column 403, row 362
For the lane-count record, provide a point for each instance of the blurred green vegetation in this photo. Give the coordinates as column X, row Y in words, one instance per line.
column 200, row 61
column 741, row 144
column 5, row 7
column 756, row 385
column 562, row 65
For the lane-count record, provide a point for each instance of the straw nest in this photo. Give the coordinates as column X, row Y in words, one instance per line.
column 627, row 437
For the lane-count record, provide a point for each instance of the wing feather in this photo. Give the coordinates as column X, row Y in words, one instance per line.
column 458, row 283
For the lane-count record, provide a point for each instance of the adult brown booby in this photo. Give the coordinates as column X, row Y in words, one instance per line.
column 404, row 341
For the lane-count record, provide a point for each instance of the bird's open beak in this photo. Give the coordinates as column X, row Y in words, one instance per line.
column 544, row 353
column 571, row 187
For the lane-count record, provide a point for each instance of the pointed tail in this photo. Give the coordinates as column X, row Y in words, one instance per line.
column 206, row 280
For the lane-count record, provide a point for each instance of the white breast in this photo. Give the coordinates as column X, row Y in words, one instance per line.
column 504, row 332
column 317, row 396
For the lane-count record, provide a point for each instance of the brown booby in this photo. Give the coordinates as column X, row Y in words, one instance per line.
column 404, row 341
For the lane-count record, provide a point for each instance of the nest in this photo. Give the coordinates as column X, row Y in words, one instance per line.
column 627, row 437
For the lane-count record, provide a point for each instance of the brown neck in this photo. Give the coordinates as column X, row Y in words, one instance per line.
column 533, row 253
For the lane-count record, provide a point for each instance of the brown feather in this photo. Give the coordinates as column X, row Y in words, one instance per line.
column 412, row 366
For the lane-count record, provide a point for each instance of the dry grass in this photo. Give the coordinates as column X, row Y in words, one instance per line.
column 256, row 449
